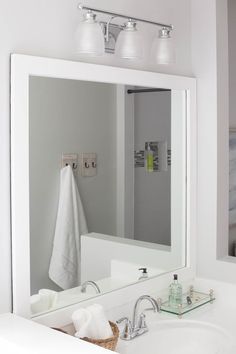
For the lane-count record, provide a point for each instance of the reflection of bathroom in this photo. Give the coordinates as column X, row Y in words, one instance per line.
column 57, row 114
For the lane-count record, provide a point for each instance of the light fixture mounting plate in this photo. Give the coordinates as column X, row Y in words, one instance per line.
column 114, row 31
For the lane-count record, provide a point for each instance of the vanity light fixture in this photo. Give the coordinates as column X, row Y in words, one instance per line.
column 89, row 36
column 162, row 51
column 126, row 41
column 129, row 42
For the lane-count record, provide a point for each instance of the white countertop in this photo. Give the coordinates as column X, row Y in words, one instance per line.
column 18, row 335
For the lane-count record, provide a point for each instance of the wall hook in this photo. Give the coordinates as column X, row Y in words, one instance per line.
column 70, row 160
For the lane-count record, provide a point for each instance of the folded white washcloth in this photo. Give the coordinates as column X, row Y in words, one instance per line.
column 36, row 305
column 48, row 297
column 43, row 301
column 92, row 323
column 103, row 328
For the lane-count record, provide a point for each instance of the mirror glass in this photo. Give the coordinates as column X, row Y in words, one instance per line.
column 107, row 187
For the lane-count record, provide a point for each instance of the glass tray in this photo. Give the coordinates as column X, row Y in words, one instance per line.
column 198, row 299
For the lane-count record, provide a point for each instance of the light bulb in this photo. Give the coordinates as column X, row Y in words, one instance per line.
column 89, row 36
column 129, row 44
column 163, row 51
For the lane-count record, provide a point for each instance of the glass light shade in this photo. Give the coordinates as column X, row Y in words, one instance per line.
column 163, row 51
column 129, row 44
column 89, row 37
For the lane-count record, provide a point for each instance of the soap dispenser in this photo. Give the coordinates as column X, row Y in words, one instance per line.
column 175, row 292
column 149, row 158
column 144, row 274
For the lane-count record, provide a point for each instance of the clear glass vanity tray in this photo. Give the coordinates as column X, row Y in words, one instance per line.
column 197, row 299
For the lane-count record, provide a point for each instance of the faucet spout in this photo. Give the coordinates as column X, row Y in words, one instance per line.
column 91, row 283
column 138, row 325
column 153, row 302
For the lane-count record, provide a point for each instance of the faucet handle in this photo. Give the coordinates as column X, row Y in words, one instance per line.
column 127, row 332
column 142, row 321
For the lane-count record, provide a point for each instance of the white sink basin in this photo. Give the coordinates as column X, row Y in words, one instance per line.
column 180, row 337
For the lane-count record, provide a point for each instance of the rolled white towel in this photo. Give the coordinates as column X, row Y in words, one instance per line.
column 43, row 301
column 92, row 323
column 103, row 327
column 36, row 305
column 49, row 297
column 82, row 320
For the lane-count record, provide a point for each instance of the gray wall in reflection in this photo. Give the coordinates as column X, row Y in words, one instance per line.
column 152, row 190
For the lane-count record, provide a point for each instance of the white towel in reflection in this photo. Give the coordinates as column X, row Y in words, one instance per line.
column 43, row 301
column 91, row 322
column 36, row 305
column 70, row 224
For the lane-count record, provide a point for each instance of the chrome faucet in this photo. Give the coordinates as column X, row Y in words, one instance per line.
column 91, row 283
column 138, row 325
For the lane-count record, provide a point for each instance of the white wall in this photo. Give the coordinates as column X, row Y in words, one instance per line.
column 204, row 67
column 46, row 28
column 210, row 65
column 69, row 116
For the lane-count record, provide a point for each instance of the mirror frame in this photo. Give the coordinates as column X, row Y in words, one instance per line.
column 24, row 66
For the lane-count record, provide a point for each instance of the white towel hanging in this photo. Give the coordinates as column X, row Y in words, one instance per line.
column 70, row 225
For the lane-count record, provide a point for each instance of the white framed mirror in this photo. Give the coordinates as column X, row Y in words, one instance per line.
column 125, row 211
